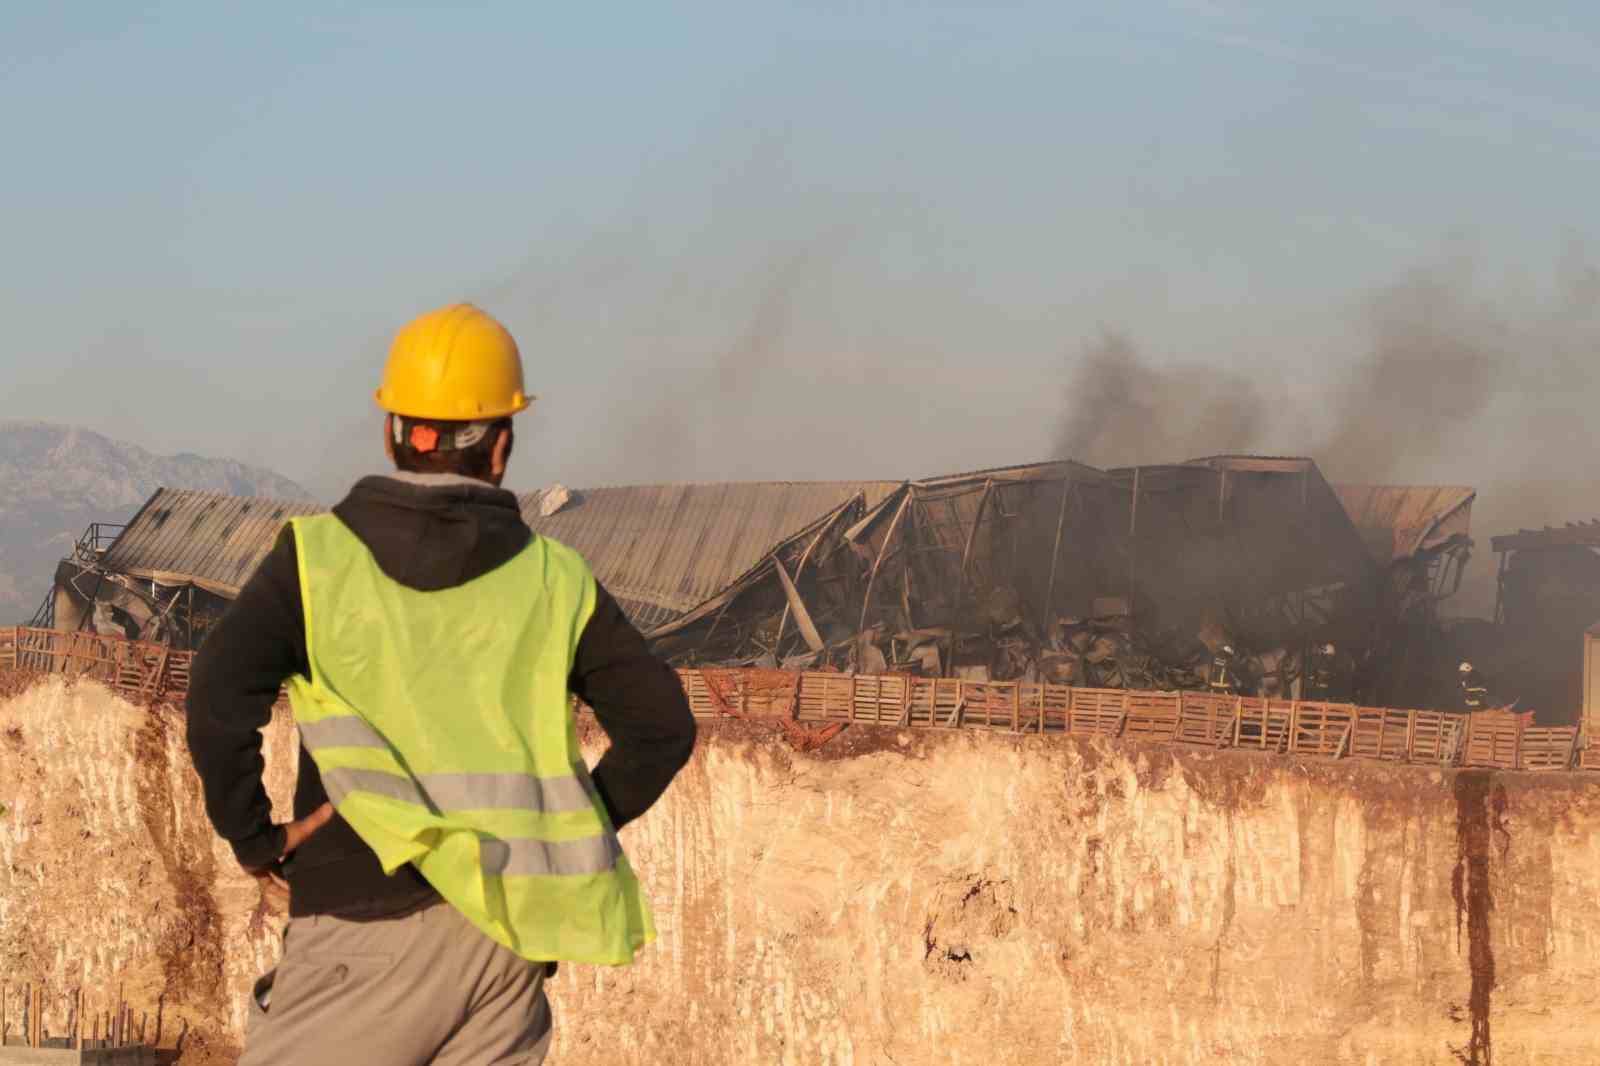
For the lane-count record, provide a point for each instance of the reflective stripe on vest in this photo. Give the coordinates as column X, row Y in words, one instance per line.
column 441, row 792
column 442, row 727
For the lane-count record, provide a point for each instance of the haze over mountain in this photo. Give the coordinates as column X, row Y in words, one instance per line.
column 55, row 480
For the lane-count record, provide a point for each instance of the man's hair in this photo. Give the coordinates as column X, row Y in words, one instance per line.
column 474, row 461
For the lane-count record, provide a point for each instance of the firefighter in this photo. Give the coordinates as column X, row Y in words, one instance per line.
column 1475, row 694
column 1224, row 677
column 449, row 844
column 1324, row 674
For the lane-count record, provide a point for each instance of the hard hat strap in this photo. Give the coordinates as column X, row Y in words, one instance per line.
column 430, row 436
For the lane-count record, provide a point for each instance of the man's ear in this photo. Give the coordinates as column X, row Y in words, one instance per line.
column 501, row 455
column 388, row 436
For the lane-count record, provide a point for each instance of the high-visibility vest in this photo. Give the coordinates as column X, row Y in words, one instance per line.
column 442, row 725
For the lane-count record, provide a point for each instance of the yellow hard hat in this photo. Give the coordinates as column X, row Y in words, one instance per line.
column 456, row 364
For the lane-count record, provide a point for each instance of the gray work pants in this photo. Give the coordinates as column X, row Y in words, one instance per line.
column 426, row 988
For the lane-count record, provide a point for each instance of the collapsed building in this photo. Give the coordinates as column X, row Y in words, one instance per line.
column 1132, row 577
column 169, row 573
column 1547, row 599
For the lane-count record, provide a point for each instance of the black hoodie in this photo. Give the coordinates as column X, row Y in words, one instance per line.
column 427, row 532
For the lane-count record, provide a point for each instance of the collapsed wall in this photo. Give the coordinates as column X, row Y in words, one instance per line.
column 916, row 897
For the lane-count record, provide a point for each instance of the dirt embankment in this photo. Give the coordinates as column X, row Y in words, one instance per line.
column 913, row 898
column 110, row 877
column 929, row 897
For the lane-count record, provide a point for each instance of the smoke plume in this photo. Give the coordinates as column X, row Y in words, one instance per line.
column 1122, row 411
column 1437, row 377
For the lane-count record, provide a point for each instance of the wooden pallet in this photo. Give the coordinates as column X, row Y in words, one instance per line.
column 1098, row 711
column 175, row 680
column 989, row 704
column 1490, row 739
column 701, row 704
column 1262, row 724
column 1320, row 728
column 1032, row 700
column 1205, row 719
column 1057, row 709
column 879, row 699
column 1493, row 740
column 1435, row 736
column 1380, row 733
column 38, row 650
column 945, row 701
column 824, row 695
column 1152, row 716
column 1547, row 748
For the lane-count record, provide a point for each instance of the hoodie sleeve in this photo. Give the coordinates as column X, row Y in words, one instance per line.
column 639, row 702
column 233, row 683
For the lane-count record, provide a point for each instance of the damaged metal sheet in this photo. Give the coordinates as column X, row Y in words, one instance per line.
column 1238, row 568
column 1243, row 568
column 797, row 606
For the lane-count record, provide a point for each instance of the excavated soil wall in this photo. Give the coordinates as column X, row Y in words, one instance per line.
column 110, row 876
column 914, row 897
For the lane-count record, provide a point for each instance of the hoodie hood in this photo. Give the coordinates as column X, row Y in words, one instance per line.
column 434, row 531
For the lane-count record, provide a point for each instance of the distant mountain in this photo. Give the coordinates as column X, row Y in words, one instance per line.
column 56, row 480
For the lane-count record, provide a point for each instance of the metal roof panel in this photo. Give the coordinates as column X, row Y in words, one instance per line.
column 1397, row 521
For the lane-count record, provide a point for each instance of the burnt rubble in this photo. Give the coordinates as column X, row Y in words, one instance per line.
column 1237, row 574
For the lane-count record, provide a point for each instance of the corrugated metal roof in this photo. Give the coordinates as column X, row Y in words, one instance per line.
column 659, row 549
column 1572, row 535
column 1397, row 521
column 207, row 538
column 670, row 547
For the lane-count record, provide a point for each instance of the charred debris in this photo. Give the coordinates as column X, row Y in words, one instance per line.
column 1138, row 577
column 1230, row 572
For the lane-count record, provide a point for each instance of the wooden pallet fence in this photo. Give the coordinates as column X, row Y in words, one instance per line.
column 1487, row 739
column 823, row 696
column 1493, row 740
column 1381, row 733
column 945, row 701
column 138, row 668
column 1057, row 709
column 1260, row 724
column 1321, row 728
column 988, row 704
column 1097, row 711
column 1031, row 704
column 1205, row 719
column 94, row 657
column 769, row 693
column 701, row 705
column 35, row 651
column 1152, row 716
column 1435, row 736
column 175, row 674
column 919, row 706
column 1547, row 748
column 879, row 699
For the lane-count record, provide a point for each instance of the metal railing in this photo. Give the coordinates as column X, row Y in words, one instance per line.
column 96, row 540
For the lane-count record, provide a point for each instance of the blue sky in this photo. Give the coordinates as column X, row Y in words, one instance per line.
column 752, row 241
